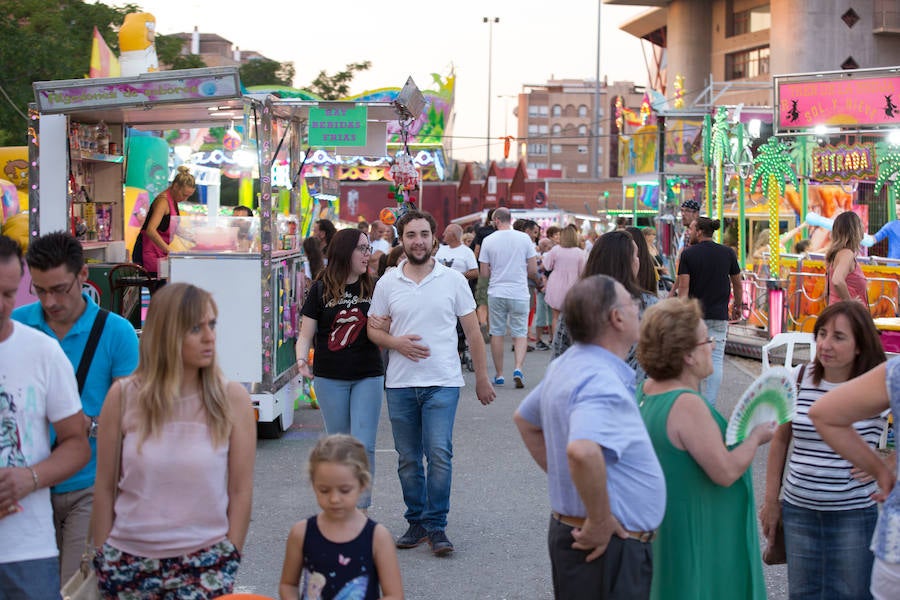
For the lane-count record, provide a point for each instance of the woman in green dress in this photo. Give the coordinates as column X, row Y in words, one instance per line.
column 707, row 546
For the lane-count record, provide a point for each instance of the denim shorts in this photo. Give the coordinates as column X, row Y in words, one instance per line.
column 503, row 311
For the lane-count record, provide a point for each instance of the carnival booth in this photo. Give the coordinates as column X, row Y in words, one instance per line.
column 839, row 154
column 94, row 136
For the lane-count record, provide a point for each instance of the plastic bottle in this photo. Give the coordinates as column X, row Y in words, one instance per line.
column 102, row 138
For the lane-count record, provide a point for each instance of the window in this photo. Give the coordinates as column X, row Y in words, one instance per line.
column 582, row 111
column 539, row 149
column 582, row 149
column 750, row 20
column 543, row 129
column 556, row 166
column 582, row 130
column 557, row 110
column 556, row 129
column 532, row 129
column 542, row 111
column 556, row 148
column 582, row 168
column 533, row 110
column 747, row 63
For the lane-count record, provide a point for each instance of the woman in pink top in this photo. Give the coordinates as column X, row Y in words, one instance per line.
column 177, row 513
column 565, row 261
column 158, row 229
column 844, row 275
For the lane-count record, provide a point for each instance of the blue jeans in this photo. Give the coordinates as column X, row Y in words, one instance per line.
column 422, row 421
column 719, row 330
column 354, row 407
column 30, row 579
column 828, row 556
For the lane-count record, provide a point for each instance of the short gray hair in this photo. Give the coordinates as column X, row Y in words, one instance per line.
column 503, row 215
column 587, row 307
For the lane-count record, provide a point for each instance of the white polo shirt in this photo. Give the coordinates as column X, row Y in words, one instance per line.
column 428, row 309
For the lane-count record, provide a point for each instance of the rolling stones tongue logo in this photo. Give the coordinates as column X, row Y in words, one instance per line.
column 347, row 326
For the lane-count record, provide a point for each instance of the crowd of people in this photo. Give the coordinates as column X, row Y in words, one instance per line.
column 106, row 443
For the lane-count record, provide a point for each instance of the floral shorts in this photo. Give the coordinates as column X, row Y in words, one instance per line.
column 206, row 573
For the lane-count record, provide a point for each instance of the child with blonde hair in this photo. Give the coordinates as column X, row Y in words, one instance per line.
column 340, row 552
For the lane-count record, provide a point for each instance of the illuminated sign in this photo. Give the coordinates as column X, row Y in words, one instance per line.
column 857, row 100
column 149, row 89
column 338, row 124
column 843, row 163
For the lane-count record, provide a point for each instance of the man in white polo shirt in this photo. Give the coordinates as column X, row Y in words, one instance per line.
column 508, row 257
column 413, row 314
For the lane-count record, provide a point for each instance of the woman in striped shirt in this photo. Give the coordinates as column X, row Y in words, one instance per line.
column 828, row 515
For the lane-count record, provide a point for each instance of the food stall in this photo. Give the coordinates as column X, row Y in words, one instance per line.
column 254, row 283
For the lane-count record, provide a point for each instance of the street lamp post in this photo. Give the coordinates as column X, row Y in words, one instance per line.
column 595, row 118
column 490, row 21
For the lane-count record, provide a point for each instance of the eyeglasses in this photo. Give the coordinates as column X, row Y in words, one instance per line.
column 365, row 248
column 636, row 302
column 709, row 340
column 58, row 290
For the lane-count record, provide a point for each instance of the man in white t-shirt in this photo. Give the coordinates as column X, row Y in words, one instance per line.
column 452, row 253
column 508, row 257
column 413, row 314
column 377, row 233
column 37, row 389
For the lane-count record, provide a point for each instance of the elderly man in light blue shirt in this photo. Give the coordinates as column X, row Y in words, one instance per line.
column 583, row 427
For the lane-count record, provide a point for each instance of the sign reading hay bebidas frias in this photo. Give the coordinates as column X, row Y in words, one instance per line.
column 338, row 124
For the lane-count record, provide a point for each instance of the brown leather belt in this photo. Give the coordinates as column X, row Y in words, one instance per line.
column 641, row 536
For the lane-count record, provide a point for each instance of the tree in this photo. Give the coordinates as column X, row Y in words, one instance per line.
column 334, row 87
column 168, row 51
column 263, row 71
column 43, row 40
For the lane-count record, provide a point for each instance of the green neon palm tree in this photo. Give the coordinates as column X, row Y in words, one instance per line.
column 719, row 145
column 887, row 156
column 774, row 167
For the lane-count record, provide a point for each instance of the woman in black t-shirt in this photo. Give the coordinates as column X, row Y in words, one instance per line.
column 349, row 374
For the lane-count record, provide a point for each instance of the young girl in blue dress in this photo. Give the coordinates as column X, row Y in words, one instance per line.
column 340, row 554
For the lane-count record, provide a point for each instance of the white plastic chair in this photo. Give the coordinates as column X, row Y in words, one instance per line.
column 789, row 340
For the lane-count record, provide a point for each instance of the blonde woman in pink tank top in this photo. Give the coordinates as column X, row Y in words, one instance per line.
column 183, row 493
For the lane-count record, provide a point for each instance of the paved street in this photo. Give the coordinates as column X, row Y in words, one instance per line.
column 499, row 507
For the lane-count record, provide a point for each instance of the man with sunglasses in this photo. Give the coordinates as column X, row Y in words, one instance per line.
column 101, row 346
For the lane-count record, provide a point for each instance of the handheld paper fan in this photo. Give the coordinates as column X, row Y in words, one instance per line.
column 772, row 397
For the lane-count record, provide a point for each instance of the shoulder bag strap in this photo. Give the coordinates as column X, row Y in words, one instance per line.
column 800, row 377
column 87, row 357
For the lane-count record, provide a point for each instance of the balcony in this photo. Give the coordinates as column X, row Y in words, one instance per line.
column 886, row 17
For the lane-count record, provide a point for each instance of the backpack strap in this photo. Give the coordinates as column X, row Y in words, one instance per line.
column 87, row 357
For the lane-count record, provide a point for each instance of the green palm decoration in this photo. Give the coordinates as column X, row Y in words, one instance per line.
column 887, row 156
column 718, row 145
column 707, row 158
column 774, row 167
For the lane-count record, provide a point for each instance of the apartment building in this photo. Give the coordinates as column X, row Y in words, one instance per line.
column 561, row 123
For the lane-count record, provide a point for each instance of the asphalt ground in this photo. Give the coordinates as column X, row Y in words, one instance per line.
column 499, row 508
